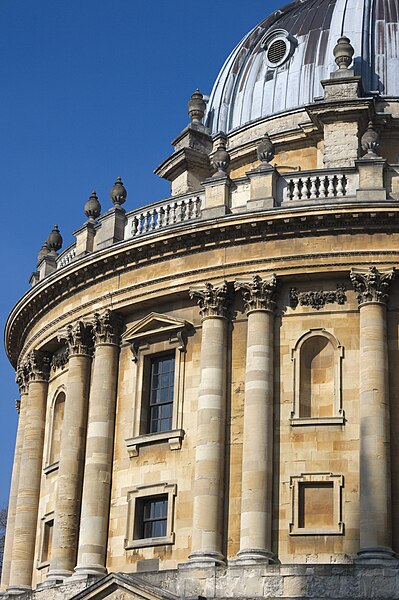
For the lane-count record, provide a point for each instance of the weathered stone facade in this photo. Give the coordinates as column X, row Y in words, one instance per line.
column 209, row 399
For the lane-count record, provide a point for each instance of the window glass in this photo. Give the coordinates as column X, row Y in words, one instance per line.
column 162, row 382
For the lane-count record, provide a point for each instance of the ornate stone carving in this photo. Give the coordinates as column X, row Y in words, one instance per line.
column 372, row 285
column 107, row 328
column 18, row 406
column 265, row 149
column 79, row 338
column 196, row 107
column 343, row 53
column 60, row 359
column 370, row 141
column 22, row 377
column 38, row 365
column 318, row 299
column 213, row 301
column 259, row 293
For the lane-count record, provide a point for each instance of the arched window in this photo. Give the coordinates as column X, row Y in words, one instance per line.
column 317, row 360
column 56, row 428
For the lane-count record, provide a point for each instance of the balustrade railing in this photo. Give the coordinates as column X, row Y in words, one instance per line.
column 164, row 215
column 66, row 257
column 317, row 187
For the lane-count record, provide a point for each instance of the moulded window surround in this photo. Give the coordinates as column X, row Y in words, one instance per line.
column 316, row 500
column 150, row 510
column 55, row 431
column 46, row 539
column 156, row 338
column 318, row 344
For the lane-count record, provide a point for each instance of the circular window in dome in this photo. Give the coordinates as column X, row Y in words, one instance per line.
column 278, row 47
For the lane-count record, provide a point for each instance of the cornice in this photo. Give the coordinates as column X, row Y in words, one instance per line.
column 235, row 229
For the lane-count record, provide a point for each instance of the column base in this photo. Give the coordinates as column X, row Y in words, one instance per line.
column 16, row 590
column 376, row 555
column 83, row 573
column 58, row 576
column 256, row 555
column 205, row 559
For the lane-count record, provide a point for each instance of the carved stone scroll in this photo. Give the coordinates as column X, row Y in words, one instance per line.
column 318, row 299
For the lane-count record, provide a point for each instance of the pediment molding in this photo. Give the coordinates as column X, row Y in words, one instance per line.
column 155, row 324
column 118, row 586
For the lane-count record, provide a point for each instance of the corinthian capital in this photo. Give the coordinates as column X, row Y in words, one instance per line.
column 214, row 301
column 38, row 365
column 22, row 377
column 79, row 338
column 258, row 294
column 107, row 328
column 372, row 285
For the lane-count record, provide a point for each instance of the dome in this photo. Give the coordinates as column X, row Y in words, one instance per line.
column 279, row 65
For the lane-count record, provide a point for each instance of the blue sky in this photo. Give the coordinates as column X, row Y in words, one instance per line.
column 90, row 90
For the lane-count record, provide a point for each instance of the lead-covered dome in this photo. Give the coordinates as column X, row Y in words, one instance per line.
column 279, row 65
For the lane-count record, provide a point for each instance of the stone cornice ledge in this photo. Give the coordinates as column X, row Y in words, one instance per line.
column 239, row 228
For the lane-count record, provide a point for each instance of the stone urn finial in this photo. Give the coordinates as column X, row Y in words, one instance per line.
column 265, row 149
column 370, row 141
column 92, row 208
column 221, row 159
column 196, row 107
column 54, row 240
column 118, row 193
column 343, row 53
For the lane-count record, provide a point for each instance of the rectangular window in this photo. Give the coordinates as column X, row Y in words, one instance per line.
column 46, row 540
column 152, row 514
column 162, row 381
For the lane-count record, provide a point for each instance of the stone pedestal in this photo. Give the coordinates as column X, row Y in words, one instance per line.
column 371, row 179
column 38, row 366
column 217, row 196
column 47, row 265
column 263, row 183
column 85, row 238
column 12, row 503
column 257, row 458
column 112, row 227
column 211, row 422
column 69, row 490
column 99, row 447
column 375, row 470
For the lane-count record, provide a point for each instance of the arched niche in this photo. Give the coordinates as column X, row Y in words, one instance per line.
column 55, row 432
column 317, row 379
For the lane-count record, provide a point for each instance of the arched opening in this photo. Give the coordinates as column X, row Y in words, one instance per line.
column 316, row 378
column 58, row 418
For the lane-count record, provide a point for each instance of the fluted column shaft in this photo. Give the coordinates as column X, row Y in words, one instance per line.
column 25, row 523
column 257, row 459
column 207, row 541
column 12, row 503
column 70, row 474
column 374, row 456
column 99, row 448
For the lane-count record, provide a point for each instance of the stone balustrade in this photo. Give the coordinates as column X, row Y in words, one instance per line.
column 320, row 186
column 67, row 256
column 164, row 215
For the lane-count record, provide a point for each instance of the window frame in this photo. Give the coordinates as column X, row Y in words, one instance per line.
column 147, row 492
column 338, row 483
column 44, row 561
column 156, row 335
column 338, row 417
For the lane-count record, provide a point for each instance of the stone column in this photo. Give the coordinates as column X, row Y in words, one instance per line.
column 99, row 447
column 372, row 289
column 23, row 548
column 68, row 499
column 257, row 459
column 211, row 422
column 22, row 381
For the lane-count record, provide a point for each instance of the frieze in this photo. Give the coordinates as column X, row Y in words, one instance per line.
column 372, row 285
column 318, row 299
column 243, row 232
column 214, row 301
column 258, row 293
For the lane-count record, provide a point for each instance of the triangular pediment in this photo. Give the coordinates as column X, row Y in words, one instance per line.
column 120, row 586
column 154, row 324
